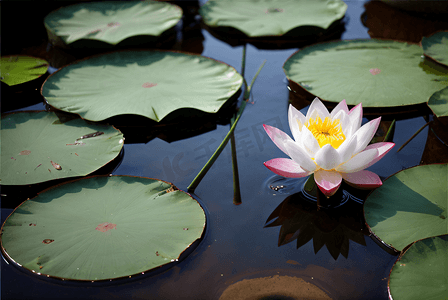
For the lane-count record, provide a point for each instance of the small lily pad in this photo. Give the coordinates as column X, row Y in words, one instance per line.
column 102, row 228
column 258, row 18
column 37, row 146
column 439, row 103
column 436, row 47
column 376, row 73
column 147, row 83
column 409, row 206
column 421, row 271
column 17, row 69
column 110, row 21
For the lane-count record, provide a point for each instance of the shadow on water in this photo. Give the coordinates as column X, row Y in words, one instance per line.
column 301, row 219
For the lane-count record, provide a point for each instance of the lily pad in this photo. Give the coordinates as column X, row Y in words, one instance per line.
column 17, row 69
column 147, row 83
column 258, row 18
column 39, row 146
column 110, row 21
column 439, row 103
column 436, row 47
column 376, row 73
column 420, row 273
column 102, row 228
column 410, row 205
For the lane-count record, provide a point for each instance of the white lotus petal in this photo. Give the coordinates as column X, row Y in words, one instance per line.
column 347, row 149
column 342, row 106
column 309, row 142
column 344, row 121
column 317, row 108
column 358, row 162
column 296, row 120
column 300, row 156
column 366, row 133
column 355, row 116
column 328, row 181
column 363, row 179
column 382, row 148
column 286, row 167
column 278, row 137
column 327, row 157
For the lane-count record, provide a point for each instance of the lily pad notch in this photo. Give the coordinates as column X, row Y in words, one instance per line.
column 147, row 83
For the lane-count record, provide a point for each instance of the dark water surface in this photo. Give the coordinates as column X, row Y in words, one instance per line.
column 236, row 244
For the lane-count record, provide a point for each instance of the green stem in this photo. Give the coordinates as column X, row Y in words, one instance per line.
column 236, row 177
column 218, row 151
column 413, row 136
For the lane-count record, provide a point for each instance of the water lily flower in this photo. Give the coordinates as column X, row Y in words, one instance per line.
column 333, row 146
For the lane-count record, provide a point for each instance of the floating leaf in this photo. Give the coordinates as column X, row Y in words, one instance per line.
column 410, row 205
column 17, row 69
column 439, row 103
column 147, row 83
column 271, row 18
column 110, row 21
column 436, row 47
column 37, row 147
column 102, row 228
column 376, row 73
column 420, row 273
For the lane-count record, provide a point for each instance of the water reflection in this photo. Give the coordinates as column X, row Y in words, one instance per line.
column 300, row 219
column 385, row 21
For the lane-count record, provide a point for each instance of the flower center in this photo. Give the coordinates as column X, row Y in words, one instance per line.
column 327, row 132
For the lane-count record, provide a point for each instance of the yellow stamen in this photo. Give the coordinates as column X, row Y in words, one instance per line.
column 327, row 132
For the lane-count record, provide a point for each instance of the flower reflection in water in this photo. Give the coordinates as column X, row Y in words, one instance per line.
column 300, row 219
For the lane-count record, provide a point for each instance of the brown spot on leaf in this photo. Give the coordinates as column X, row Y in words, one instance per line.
column 25, row 152
column 47, row 241
column 55, row 165
column 375, row 71
column 32, row 224
column 106, row 226
column 157, row 253
column 149, row 84
column 186, row 228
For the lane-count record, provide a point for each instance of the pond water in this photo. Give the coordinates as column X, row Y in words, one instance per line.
column 236, row 244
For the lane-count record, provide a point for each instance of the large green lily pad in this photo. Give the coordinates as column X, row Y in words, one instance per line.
column 421, row 272
column 410, row 205
column 147, row 83
column 258, row 18
column 376, row 73
column 38, row 146
column 436, row 47
column 17, row 69
column 110, row 21
column 102, row 228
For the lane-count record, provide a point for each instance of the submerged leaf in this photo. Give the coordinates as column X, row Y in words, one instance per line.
column 16, row 69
